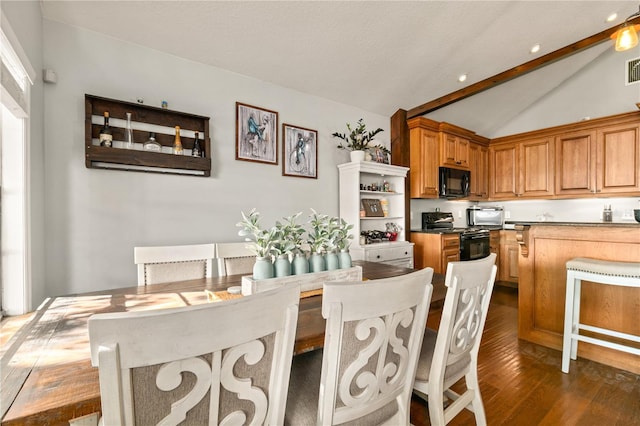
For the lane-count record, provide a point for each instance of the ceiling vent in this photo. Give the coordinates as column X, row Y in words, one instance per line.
column 632, row 71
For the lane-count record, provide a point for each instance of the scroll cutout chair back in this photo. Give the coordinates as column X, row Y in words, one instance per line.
column 372, row 341
column 452, row 353
column 237, row 353
column 174, row 263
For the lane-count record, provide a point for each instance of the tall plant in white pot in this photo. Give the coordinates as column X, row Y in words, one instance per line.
column 358, row 140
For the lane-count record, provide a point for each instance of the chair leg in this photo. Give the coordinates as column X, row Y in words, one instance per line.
column 478, row 408
column 436, row 409
column 576, row 317
column 568, row 319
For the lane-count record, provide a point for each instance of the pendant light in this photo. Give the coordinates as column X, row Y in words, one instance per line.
column 627, row 36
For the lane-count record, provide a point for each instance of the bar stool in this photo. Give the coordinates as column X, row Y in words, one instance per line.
column 598, row 271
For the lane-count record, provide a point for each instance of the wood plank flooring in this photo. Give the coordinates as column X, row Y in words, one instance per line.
column 522, row 384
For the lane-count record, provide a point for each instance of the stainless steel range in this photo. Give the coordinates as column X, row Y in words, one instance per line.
column 474, row 242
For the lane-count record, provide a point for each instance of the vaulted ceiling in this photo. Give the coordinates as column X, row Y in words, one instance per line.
column 378, row 56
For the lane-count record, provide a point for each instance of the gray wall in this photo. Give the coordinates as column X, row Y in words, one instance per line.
column 26, row 21
column 96, row 217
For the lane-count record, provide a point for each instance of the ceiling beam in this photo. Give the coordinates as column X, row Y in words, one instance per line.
column 514, row 72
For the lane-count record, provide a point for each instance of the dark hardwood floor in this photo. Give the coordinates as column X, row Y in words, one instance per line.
column 521, row 383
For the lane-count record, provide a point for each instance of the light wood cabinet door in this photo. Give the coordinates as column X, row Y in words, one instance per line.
column 508, row 264
column 423, row 173
column 435, row 250
column 503, row 171
column 536, row 168
column 575, row 163
column 618, row 159
column 455, row 151
column 479, row 168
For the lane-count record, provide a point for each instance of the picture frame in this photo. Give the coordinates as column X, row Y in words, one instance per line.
column 372, row 207
column 256, row 134
column 299, row 152
column 379, row 156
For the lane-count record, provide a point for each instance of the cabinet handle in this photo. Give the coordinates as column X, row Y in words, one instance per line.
column 378, row 257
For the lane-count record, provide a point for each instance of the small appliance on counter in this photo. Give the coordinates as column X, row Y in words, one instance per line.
column 485, row 217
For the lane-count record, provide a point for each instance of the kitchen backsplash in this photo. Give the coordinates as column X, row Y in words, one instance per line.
column 578, row 210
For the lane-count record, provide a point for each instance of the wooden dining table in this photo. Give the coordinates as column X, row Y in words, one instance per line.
column 46, row 371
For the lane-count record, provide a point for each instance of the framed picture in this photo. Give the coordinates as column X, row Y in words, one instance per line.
column 299, row 152
column 372, row 207
column 256, row 134
column 379, row 156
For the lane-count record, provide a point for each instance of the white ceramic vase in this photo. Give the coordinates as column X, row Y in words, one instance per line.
column 357, row 156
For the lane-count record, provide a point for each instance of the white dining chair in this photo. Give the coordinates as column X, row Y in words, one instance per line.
column 173, row 263
column 365, row 372
column 217, row 363
column 235, row 258
column 452, row 353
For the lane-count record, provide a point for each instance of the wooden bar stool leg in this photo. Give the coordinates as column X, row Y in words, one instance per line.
column 569, row 306
column 575, row 325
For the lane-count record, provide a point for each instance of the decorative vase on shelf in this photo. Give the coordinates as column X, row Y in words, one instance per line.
column 357, row 156
column 263, row 268
column 345, row 259
column 282, row 266
column 333, row 262
column 300, row 264
column 317, row 263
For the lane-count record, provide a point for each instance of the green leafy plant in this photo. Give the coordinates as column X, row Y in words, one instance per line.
column 319, row 233
column 342, row 235
column 358, row 138
column 288, row 235
column 263, row 240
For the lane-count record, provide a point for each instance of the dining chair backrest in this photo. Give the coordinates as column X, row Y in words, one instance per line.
column 174, row 263
column 452, row 353
column 235, row 258
column 372, row 341
column 216, row 363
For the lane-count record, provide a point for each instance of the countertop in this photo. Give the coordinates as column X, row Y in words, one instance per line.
column 627, row 224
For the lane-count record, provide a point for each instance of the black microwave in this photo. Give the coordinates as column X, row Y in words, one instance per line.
column 454, row 183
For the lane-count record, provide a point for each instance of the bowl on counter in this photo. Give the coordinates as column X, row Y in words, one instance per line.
column 636, row 214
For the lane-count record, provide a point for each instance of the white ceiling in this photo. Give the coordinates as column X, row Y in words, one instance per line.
column 378, row 56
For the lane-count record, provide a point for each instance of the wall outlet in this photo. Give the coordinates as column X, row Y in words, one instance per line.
column 507, row 214
column 627, row 214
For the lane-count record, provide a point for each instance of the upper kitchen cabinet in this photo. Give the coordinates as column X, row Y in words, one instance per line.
column 521, row 169
column 424, row 161
column 600, row 160
column 434, row 145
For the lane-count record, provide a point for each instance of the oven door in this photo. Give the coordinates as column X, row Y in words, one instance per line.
column 474, row 246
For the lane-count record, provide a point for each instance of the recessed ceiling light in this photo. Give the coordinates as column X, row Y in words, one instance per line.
column 462, row 77
column 535, row 48
column 612, row 17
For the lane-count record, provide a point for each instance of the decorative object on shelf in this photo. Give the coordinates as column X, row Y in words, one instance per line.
column 152, row 144
column 358, row 140
column 197, row 150
column 299, row 152
column 380, row 155
column 626, row 36
column 106, row 138
column 392, row 231
column 177, row 143
column 372, row 207
column 128, row 133
column 164, row 105
column 607, row 214
column 256, row 134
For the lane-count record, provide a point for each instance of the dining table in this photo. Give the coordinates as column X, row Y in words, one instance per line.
column 45, row 367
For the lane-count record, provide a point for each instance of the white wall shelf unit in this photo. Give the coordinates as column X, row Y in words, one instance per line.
column 357, row 175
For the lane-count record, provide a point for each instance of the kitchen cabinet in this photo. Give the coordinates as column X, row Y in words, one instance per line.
column 360, row 181
column 479, row 167
column 604, row 160
column 522, row 169
column 423, row 174
column 145, row 119
column 434, row 145
column 494, row 247
column 436, row 250
column 508, row 263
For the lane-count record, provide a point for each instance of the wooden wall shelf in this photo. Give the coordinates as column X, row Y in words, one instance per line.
column 145, row 119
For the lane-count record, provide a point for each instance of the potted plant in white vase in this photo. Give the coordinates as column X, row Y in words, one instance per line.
column 342, row 243
column 263, row 244
column 317, row 238
column 288, row 240
column 358, row 140
column 331, row 244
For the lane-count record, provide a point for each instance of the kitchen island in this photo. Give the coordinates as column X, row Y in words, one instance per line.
column 545, row 247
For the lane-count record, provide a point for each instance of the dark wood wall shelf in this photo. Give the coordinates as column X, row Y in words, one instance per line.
column 145, row 119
